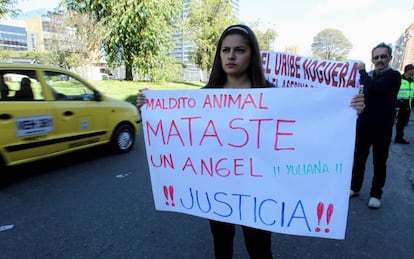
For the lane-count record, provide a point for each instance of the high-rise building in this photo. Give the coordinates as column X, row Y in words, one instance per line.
column 30, row 31
column 13, row 35
column 183, row 47
column 404, row 49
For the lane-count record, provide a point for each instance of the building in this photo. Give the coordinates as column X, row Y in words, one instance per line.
column 183, row 48
column 13, row 35
column 41, row 26
column 404, row 49
column 30, row 31
column 35, row 30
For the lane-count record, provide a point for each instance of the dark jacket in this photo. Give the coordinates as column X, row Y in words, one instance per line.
column 380, row 93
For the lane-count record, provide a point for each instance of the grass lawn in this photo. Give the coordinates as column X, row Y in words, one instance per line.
column 127, row 90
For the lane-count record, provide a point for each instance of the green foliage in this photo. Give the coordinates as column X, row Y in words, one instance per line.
column 61, row 58
column 331, row 44
column 97, row 8
column 39, row 57
column 4, row 55
column 205, row 22
column 127, row 90
column 137, row 33
column 265, row 38
column 8, row 7
column 58, row 58
column 169, row 71
column 79, row 36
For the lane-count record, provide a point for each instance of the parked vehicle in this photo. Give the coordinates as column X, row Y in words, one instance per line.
column 47, row 111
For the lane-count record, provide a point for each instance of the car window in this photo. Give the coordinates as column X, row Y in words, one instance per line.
column 20, row 86
column 68, row 88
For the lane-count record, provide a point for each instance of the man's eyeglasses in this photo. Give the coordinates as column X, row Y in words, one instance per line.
column 383, row 56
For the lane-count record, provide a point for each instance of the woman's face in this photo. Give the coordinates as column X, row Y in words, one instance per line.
column 235, row 55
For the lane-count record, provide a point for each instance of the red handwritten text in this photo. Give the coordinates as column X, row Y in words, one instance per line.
column 223, row 167
column 183, row 132
column 239, row 101
column 330, row 73
column 170, row 103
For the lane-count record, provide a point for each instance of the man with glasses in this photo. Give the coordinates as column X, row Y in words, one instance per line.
column 375, row 123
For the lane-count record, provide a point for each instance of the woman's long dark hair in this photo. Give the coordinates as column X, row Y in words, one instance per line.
column 255, row 71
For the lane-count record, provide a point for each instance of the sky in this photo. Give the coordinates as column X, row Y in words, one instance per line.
column 29, row 5
column 365, row 23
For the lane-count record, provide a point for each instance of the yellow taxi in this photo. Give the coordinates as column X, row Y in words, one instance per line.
column 47, row 111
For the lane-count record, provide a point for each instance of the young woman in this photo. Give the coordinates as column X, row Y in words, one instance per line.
column 237, row 64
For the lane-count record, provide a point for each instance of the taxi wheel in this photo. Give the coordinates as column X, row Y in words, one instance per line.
column 123, row 138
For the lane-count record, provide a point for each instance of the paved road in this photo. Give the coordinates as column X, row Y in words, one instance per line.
column 100, row 206
column 406, row 152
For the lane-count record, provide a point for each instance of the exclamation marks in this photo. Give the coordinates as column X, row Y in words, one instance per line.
column 319, row 212
column 169, row 193
column 329, row 212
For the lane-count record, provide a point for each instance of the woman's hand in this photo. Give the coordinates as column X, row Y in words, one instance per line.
column 141, row 99
column 357, row 103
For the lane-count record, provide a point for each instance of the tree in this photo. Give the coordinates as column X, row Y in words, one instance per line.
column 136, row 33
column 8, row 7
column 204, row 24
column 331, row 44
column 73, row 38
column 88, row 35
column 265, row 38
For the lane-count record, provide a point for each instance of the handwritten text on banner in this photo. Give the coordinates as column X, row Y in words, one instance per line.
column 275, row 159
column 287, row 70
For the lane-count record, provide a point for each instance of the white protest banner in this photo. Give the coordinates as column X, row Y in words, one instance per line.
column 289, row 70
column 272, row 158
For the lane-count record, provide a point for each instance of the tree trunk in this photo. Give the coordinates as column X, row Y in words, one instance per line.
column 128, row 73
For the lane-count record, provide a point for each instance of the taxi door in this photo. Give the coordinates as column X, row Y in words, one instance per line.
column 81, row 118
column 27, row 125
